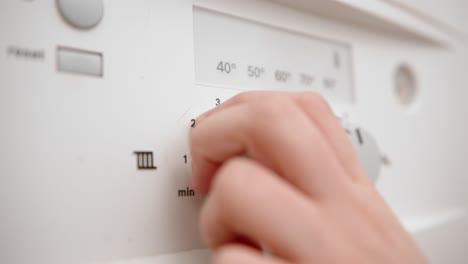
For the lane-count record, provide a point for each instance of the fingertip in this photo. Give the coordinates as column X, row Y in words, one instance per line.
column 206, row 114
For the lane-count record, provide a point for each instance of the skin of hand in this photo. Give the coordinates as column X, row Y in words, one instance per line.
column 280, row 172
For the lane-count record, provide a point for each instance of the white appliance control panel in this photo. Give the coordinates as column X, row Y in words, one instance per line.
column 97, row 99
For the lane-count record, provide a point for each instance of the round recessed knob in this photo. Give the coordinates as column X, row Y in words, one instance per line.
column 81, row 13
column 406, row 89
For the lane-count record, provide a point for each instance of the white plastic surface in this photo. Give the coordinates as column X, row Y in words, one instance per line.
column 70, row 188
column 82, row 13
column 448, row 15
column 79, row 62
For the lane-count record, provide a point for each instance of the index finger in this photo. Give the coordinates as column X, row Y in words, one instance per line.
column 319, row 112
column 272, row 131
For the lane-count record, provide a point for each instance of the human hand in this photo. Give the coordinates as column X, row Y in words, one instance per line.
column 281, row 172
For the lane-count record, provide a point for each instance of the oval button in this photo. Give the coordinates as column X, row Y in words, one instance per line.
column 82, row 13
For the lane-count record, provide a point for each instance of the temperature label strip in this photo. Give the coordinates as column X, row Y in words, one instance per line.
column 243, row 55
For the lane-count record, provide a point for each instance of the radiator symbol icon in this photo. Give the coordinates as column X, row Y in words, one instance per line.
column 145, row 160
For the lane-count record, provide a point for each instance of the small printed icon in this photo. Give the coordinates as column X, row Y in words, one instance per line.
column 336, row 60
column 145, row 160
column 329, row 83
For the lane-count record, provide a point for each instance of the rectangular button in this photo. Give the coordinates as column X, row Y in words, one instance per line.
column 79, row 61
